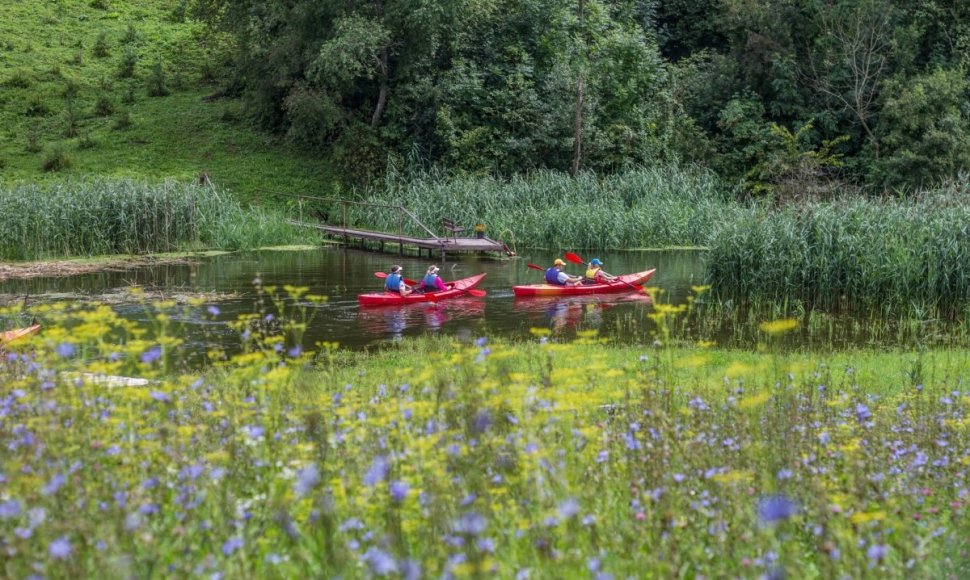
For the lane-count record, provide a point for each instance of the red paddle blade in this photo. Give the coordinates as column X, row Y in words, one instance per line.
column 574, row 258
column 409, row 282
column 432, row 297
column 534, row 267
column 380, row 274
column 478, row 293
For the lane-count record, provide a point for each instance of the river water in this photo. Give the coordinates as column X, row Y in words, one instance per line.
column 342, row 274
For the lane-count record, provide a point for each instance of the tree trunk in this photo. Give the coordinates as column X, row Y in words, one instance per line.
column 580, row 87
column 578, row 126
column 382, row 95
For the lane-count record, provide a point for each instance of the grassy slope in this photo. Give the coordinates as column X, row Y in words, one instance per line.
column 45, row 47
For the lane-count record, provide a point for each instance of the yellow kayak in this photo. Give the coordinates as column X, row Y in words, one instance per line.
column 12, row 335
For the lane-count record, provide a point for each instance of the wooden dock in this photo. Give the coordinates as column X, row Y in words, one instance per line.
column 410, row 234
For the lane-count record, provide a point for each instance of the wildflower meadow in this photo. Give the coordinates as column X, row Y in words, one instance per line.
column 464, row 459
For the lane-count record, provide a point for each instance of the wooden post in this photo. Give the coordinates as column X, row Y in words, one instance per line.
column 400, row 228
column 343, row 212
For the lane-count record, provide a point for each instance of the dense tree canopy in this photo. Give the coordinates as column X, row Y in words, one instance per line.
column 779, row 96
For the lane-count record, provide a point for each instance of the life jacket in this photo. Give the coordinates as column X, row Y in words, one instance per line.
column 591, row 273
column 429, row 282
column 393, row 283
column 552, row 276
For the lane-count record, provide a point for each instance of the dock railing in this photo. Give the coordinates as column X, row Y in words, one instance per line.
column 402, row 211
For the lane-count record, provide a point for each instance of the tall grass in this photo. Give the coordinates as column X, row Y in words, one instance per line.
column 879, row 256
column 101, row 217
column 642, row 208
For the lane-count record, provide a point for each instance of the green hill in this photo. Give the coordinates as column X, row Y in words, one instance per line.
column 119, row 88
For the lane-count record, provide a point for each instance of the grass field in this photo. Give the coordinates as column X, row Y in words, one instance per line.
column 76, row 79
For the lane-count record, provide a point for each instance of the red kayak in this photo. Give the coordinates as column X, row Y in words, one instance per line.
column 632, row 284
column 456, row 289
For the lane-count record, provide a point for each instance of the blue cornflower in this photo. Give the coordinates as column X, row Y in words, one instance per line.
column 377, row 472
column 213, row 310
column 231, row 545
column 9, row 509
column 381, row 563
column 877, row 552
column 471, row 524
column 66, row 350
column 60, row 548
column 151, row 355
column 481, row 341
column 306, row 479
column 295, row 351
column 784, row 474
column 399, row 490
column 55, row 484
column 161, row 396
column 862, row 412
column 568, row 508
column 776, row 508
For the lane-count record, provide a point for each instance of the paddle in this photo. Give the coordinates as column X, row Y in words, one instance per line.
column 575, row 259
column 534, row 267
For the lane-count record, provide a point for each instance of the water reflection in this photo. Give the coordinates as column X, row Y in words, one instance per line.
column 574, row 312
column 392, row 321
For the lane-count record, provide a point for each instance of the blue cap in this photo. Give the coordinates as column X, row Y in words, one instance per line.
column 595, row 262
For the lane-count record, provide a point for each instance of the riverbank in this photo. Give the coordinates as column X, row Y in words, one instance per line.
column 485, row 457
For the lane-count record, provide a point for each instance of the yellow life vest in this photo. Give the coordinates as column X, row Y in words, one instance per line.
column 591, row 273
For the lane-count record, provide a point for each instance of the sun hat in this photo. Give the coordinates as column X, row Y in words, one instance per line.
column 595, row 262
column 395, row 269
column 558, row 262
column 433, row 269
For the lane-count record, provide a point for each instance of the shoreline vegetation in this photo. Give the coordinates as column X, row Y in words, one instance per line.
column 473, row 457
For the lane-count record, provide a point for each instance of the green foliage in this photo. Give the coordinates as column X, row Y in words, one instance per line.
column 924, row 129
column 129, row 59
column 101, row 49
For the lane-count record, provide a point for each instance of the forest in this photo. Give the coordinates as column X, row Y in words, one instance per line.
column 781, row 98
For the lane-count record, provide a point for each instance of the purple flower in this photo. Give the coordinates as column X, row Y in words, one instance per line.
column 876, row 552
column 381, row 563
column 231, row 545
column 151, row 355
column 66, row 350
column 679, row 477
column 471, row 524
column 213, row 310
column 862, row 412
column 776, row 508
column 306, row 479
column 377, row 472
column 55, row 484
column 481, row 341
column 295, row 351
column 160, row 396
column 9, row 509
column 254, row 431
column 568, row 508
column 482, row 421
column 60, row 548
column 784, row 474
column 399, row 490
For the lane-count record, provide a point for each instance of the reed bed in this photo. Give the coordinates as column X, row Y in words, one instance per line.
column 908, row 257
column 102, row 217
column 653, row 207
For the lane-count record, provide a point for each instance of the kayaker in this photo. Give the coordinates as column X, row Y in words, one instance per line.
column 557, row 277
column 596, row 275
column 432, row 282
column 395, row 281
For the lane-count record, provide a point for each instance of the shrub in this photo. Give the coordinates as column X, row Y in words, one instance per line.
column 131, row 35
column 101, row 46
column 36, row 108
column 103, row 107
column 86, row 142
column 100, row 5
column 156, row 82
column 56, row 159
column 122, row 121
column 18, row 80
column 129, row 59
